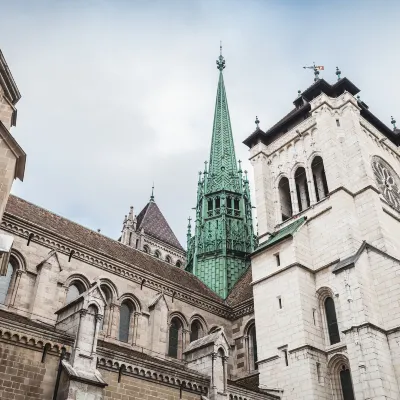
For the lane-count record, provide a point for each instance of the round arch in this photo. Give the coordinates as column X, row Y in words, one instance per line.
column 80, row 278
column 17, row 260
column 129, row 297
column 111, row 286
column 181, row 317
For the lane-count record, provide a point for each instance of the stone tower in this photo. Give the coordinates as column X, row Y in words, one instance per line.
column 326, row 274
column 219, row 251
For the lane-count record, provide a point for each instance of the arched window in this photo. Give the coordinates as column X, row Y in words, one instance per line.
column 5, row 282
column 320, row 183
column 75, row 289
column 146, row 249
column 252, row 348
column 175, row 343
column 196, row 330
column 168, row 260
column 125, row 316
column 331, row 320
column 346, row 383
column 285, row 199
column 303, row 196
column 157, row 254
column 178, row 264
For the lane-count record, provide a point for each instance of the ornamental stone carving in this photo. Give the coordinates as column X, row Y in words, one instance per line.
column 388, row 181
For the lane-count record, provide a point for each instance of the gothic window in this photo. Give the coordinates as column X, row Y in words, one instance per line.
column 388, row 181
column 157, row 254
column 252, row 348
column 178, row 264
column 217, row 205
column 175, row 338
column 75, row 289
column 331, row 320
column 125, row 317
column 5, row 282
column 236, row 207
column 229, row 205
column 146, row 249
column 130, row 238
column 320, row 183
column 210, row 207
column 346, row 384
column 303, row 196
column 285, row 199
column 196, row 331
column 168, row 260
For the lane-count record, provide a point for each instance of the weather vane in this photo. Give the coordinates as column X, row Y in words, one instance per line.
column 316, row 69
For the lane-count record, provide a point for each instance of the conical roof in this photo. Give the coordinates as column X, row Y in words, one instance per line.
column 223, row 170
column 154, row 224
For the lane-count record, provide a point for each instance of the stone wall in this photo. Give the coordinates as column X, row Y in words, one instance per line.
column 131, row 388
column 24, row 376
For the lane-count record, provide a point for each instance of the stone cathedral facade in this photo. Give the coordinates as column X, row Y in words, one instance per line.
column 307, row 310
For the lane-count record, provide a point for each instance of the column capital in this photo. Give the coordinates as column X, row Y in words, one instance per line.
column 82, row 313
column 19, row 272
column 99, row 317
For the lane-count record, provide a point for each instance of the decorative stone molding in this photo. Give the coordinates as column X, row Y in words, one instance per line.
column 161, row 375
column 63, row 245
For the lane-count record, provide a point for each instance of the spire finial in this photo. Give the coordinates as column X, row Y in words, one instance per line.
column 257, row 122
column 152, row 193
column 221, row 60
column 205, row 167
column 316, row 69
column 338, row 73
column 299, row 93
column 240, row 166
column 393, row 121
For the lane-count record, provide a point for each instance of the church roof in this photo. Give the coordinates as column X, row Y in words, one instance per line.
column 154, row 224
column 64, row 228
column 242, row 290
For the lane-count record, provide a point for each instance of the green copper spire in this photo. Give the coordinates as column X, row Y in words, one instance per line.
column 218, row 252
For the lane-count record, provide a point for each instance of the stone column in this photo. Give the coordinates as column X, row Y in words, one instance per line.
column 96, row 332
column 246, row 352
column 135, row 327
column 16, row 285
column 225, row 371
column 311, row 188
column 293, row 196
column 82, row 314
column 114, row 321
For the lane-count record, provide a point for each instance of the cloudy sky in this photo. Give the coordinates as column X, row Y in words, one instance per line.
column 117, row 94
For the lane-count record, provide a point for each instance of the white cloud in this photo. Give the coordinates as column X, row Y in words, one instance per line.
column 117, row 94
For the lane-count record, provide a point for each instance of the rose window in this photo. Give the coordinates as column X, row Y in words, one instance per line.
column 388, row 181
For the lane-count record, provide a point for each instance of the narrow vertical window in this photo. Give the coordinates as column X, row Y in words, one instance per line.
column 195, row 331
column 277, row 259
column 175, row 341
column 252, row 349
column 331, row 321
column 285, row 199
column 320, row 182
column 280, row 302
column 285, row 353
column 313, row 316
column 319, row 372
column 346, row 383
column 337, row 122
column 125, row 321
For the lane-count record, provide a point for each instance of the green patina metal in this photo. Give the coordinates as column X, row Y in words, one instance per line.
column 218, row 253
column 284, row 233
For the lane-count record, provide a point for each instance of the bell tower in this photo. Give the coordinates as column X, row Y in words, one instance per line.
column 218, row 253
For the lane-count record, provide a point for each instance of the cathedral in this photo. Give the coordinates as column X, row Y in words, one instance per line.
column 308, row 308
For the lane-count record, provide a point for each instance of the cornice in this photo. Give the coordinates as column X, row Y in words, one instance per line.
column 61, row 244
column 153, row 371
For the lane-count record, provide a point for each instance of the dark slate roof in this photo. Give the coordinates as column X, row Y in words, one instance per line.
column 302, row 108
column 154, row 224
column 242, row 290
column 62, row 227
column 251, row 383
column 282, row 234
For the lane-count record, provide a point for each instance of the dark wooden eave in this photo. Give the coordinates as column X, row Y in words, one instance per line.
column 302, row 109
column 7, row 82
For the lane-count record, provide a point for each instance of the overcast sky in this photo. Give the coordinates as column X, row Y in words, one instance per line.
column 118, row 94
